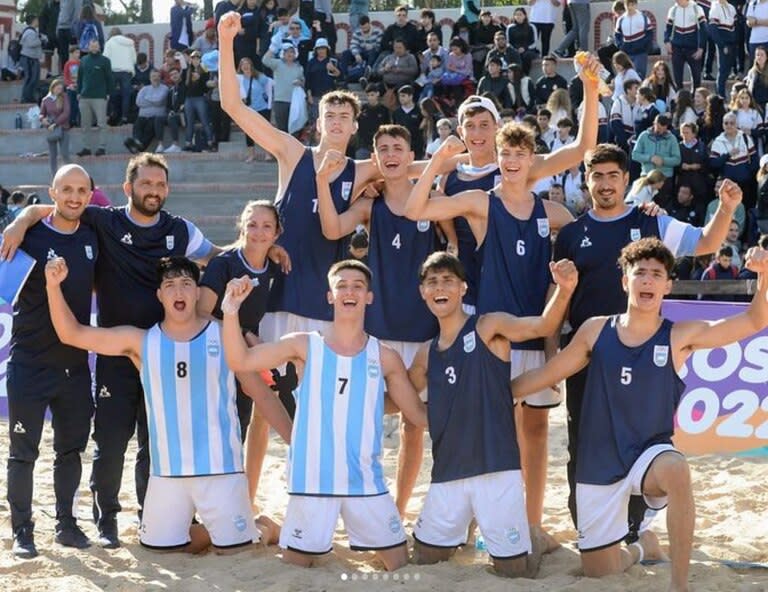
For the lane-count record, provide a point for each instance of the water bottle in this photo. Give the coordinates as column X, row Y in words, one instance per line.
column 479, row 544
column 19, row 121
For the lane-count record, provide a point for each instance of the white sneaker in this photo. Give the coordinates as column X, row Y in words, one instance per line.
column 160, row 148
column 172, row 148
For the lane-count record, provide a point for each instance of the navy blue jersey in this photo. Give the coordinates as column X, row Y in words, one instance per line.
column 629, row 404
column 232, row 264
column 302, row 292
column 515, row 275
column 470, row 412
column 469, row 255
column 33, row 339
column 594, row 245
column 397, row 248
column 126, row 271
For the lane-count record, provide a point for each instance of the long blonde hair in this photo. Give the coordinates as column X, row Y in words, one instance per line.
column 60, row 99
column 560, row 100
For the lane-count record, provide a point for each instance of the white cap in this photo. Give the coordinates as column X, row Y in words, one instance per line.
column 322, row 42
column 475, row 101
column 763, row 160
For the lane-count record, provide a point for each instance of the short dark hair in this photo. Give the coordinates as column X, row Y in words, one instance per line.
column 603, row 153
column 436, row 57
column 373, row 87
column 405, row 89
column 762, row 242
column 549, row 58
column 350, row 264
column 647, row 248
column 495, row 60
column 565, row 122
column 725, row 251
column 282, row 12
column 393, row 130
column 442, row 261
column 429, row 14
column 663, row 119
column 647, row 93
column 30, row 19
column 630, row 83
column 364, row 19
column 147, row 159
column 545, row 112
column 173, row 267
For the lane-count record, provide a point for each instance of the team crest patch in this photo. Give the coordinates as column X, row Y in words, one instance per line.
column 373, row 370
column 660, row 355
column 346, row 190
column 394, row 524
column 422, row 225
column 543, row 225
column 214, row 349
column 513, row 535
column 634, row 234
column 89, row 251
column 469, row 342
column 169, row 242
column 240, row 523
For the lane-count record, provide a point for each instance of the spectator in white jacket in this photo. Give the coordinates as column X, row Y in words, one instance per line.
column 121, row 51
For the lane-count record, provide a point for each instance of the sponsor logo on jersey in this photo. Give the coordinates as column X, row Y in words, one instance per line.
column 660, row 355
column 89, row 251
column 104, row 392
column 296, row 533
column 51, row 254
column 543, row 225
column 18, row 428
column 634, row 234
column 346, row 190
column 214, row 348
column 469, row 342
column 127, row 239
column 169, row 242
column 422, row 225
column 585, row 242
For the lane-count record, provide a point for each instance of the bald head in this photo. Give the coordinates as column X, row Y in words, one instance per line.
column 70, row 172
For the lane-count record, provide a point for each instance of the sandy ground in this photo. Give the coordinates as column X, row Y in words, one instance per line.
column 732, row 524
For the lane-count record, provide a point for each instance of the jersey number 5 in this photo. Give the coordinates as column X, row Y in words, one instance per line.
column 626, row 375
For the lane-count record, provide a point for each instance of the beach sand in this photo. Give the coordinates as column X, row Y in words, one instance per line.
column 731, row 524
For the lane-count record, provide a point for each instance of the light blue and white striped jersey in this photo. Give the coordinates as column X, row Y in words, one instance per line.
column 189, row 393
column 338, row 428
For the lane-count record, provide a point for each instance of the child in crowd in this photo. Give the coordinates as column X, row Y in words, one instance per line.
column 433, row 76
column 564, row 136
column 69, row 74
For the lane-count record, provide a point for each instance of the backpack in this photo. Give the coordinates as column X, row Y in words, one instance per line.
column 14, row 46
column 88, row 33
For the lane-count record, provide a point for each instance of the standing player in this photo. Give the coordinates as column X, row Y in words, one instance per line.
column 514, row 235
column 259, row 226
column 397, row 245
column 197, row 455
column 132, row 239
column 476, row 470
column 633, row 390
column 44, row 373
column 594, row 243
column 333, row 463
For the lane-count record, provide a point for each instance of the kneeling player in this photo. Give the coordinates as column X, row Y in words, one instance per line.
column 632, row 392
column 476, row 471
column 196, row 451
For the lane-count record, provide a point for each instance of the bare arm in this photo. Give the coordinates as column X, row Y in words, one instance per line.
column 267, row 403
column 714, row 233
column 566, row 363
column 117, row 341
column 278, row 143
column 400, row 389
column 689, row 336
column 333, row 224
column 417, row 373
column 572, row 154
column 206, row 302
column 557, row 214
column 13, row 235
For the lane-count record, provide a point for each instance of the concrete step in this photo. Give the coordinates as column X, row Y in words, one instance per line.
column 8, row 113
column 32, row 141
column 10, row 92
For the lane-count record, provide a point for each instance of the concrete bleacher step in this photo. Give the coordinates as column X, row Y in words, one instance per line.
column 8, row 113
column 32, row 141
column 10, row 92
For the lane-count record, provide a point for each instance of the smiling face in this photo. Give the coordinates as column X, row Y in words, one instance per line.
column 392, row 155
column 646, row 283
column 442, row 290
column 259, row 228
column 349, row 294
column 478, row 131
column 607, row 184
column 178, row 294
column 70, row 192
column 514, row 162
column 149, row 191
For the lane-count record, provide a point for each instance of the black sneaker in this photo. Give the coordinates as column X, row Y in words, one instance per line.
column 100, row 152
column 69, row 534
column 108, row 538
column 133, row 145
column 560, row 54
column 708, row 76
column 84, row 152
column 24, row 542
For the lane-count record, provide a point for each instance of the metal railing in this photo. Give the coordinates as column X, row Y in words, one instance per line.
column 714, row 288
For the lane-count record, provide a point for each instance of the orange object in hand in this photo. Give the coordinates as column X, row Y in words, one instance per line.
column 580, row 59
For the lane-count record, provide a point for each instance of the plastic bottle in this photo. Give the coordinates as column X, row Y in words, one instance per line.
column 479, row 544
column 19, row 123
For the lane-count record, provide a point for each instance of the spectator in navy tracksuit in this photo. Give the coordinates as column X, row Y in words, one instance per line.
column 733, row 156
column 634, row 36
column 722, row 31
column 684, row 37
column 181, row 25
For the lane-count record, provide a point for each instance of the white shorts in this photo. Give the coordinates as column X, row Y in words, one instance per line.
column 221, row 501
column 601, row 510
column 276, row 324
column 495, row 500
column 522, row 360
column 372, row 523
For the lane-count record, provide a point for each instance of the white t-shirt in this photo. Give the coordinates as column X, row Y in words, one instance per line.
column 758, row 10
column 542, row 11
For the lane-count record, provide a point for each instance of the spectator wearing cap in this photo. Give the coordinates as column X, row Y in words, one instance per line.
column 495, row 84
column 121, row 52
column 287, row 73
column 356, row 62
column 400, row 67
column 409, row 116
column 657, row 149
column 208, row 41
column 321, row 74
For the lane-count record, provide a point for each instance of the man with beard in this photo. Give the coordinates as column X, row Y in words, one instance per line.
column 131, row 240
column 594, row 243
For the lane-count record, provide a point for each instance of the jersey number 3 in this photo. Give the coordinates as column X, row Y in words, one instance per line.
column 451, row 374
